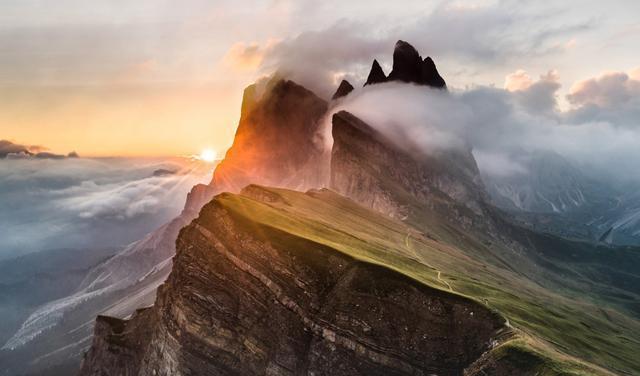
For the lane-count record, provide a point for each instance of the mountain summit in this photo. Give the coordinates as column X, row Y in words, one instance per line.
column 376, row 75
column 408, row 66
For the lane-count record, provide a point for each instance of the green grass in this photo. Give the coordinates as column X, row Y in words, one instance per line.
column 565, row 331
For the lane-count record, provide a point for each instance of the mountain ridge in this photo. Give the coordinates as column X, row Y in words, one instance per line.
column 254, row 268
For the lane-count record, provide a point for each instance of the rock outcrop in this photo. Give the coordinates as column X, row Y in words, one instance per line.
column 343, row 90
column 276, row 139
column 376, row 74
column 408, row 66
column 247, row 299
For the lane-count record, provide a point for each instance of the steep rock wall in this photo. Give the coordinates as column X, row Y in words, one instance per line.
column 245, row 299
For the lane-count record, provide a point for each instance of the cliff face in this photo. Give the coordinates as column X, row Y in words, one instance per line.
column 276, row 142
column 371, row 170
column 245, row 298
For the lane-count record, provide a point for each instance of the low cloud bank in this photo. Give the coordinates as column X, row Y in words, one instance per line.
column 89, row 203
column 600, row 131
column 469, row 37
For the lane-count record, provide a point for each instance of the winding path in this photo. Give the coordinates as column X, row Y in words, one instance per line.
column 417, row 257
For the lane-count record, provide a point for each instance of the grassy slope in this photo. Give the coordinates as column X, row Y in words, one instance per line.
column 557, row 334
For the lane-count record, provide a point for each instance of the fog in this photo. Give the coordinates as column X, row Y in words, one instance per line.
column 504, row 127
column 89, row 203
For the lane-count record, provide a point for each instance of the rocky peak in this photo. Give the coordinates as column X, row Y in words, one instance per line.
column 406, row 63
column 276, row 138
column 408, row 66
column 429, row 74
column 376, row 75
column 343, row 90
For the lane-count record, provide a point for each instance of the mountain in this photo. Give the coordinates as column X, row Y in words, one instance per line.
column 275, row 139
column 400, row 268
column 31, row 280
column 273, row 280
column 548, row 184
column 7, row 147
column 409, row 67
column 343, row 90
column 261, row 286
column 362, row 258
column 376, row 74
column 553, row 194
column 370, row 169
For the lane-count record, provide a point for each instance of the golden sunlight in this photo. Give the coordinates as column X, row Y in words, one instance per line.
column 208, row 155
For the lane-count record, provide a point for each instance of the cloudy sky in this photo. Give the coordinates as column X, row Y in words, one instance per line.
column 160, row 77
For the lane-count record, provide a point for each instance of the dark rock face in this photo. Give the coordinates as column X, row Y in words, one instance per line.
column 408, row 66
column 368, row 168
column 116, row 342
column 407, row 63
column 429, row 74
column 376, row 75
column 245, row 300
column 276, row 138
column 343, row 90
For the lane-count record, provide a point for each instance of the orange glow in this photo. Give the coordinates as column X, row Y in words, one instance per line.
column 121, row 120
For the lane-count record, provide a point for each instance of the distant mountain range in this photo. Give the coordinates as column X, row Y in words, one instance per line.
column 555, row 195
column 360, row 259
column 9, row 149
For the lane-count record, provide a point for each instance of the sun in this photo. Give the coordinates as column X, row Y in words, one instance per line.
column 208, row 155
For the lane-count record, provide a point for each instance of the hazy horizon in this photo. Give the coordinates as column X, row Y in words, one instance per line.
column 149, row 78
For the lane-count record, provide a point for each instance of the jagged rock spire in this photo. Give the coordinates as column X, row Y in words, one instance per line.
column 429, row 74
column 343, row 90
column 406, row 63
column 408, row 66
column 376, row 75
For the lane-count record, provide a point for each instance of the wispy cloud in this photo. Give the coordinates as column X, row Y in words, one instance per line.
column 87, row 202
column 505, row 127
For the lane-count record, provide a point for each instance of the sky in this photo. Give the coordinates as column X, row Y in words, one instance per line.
column 160, row 77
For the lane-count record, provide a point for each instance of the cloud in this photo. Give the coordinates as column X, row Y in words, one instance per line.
column 538, row 97
column 496, row 164
column 483, row 34
column 245, row 56
column 612, row 97
column 320, row 59
column 518, row 80
column 607, row 90
column 97, row 203
column 503, row 127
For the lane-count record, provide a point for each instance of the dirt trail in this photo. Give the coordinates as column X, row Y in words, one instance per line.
column 418, row 258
